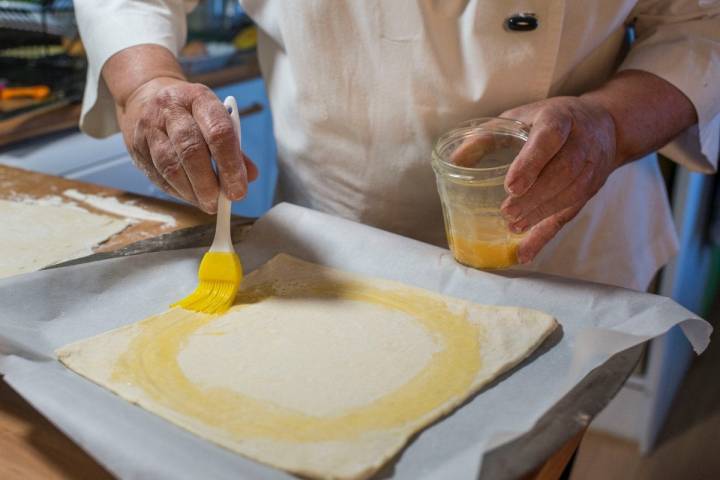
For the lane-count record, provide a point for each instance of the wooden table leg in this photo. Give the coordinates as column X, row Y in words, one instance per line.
column 554, row 466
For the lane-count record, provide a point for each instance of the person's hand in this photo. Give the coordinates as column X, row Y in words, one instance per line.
column 172, row 129
column 570, row 152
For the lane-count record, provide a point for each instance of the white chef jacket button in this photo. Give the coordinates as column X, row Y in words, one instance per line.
column 521, row 22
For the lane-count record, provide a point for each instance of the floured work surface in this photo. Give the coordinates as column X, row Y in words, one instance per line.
column 315, row 371
column 36, row 235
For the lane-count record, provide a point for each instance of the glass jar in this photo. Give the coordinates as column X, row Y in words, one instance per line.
column 470, row 164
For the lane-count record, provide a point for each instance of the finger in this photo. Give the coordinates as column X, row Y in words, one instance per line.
column 250, row 168
column 140, row 154
column 472, row 149
column 168, row 165
column 480, row 142
column 558, row 175
column 547, row 135
column 580, row 190
column 194, row 156
column 217, row 129
column 543, row 232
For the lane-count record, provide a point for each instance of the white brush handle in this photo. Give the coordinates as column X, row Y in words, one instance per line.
column 222, row 241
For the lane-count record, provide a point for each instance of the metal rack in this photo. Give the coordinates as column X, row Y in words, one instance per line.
column 35, row 22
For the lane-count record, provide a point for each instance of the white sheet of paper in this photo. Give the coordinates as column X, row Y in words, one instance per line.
column 45, row 310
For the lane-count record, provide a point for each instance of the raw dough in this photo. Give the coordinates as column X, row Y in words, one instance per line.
column 33, row 236
column 315, row 371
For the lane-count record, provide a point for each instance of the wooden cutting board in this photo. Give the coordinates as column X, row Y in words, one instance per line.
column 17, row 183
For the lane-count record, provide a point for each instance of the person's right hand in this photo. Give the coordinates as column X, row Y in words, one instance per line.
column 172, row 129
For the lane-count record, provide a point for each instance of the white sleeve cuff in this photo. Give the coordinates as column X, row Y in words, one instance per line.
column 686, row 55
column 110, row 26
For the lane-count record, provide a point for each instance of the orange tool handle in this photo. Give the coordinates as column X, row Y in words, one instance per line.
column 36, row 92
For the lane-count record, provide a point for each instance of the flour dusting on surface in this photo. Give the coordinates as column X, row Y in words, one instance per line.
column 112, row 205
column 46, row 201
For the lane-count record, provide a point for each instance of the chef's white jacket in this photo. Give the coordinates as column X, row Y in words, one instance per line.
column 360, row 90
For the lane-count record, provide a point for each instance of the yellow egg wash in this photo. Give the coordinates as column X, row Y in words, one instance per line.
column 151, row 364
column 483, row 253
column 481, row 239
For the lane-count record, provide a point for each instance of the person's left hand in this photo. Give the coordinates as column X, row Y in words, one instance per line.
column 570, row 152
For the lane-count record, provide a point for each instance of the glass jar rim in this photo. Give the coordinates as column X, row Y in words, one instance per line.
column 509, row 126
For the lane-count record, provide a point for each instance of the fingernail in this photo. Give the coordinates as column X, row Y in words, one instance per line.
column 236, row 191
column 512, row 212
column 519, row 226
column 209, row 206
column 516, row 187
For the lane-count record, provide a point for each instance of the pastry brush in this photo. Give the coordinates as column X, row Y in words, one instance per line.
column 220, row 271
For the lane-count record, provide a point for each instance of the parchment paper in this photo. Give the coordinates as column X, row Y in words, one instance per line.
column 41, row 311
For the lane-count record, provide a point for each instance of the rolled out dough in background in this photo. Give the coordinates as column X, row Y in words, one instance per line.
column 33, row 236
column 315, row 371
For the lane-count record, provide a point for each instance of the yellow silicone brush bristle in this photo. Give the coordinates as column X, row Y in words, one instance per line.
column 220, row 274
